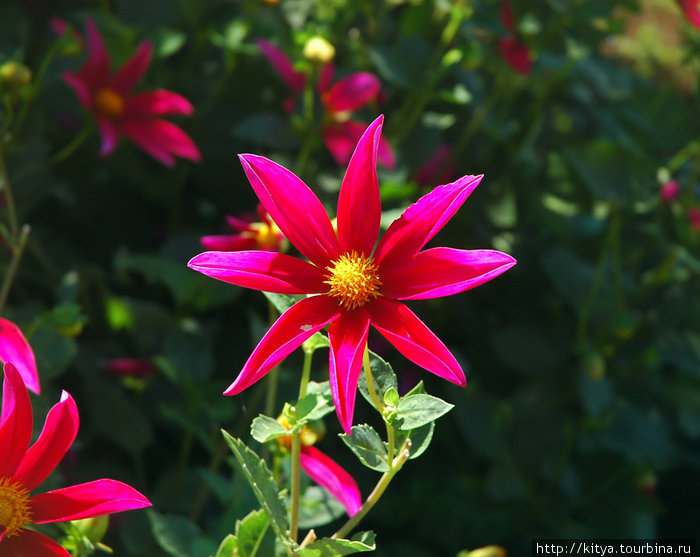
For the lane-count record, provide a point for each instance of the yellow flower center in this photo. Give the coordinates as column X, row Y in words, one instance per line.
column 109, row 102
column 267, row 236
column 14, row 506
column 354, row 280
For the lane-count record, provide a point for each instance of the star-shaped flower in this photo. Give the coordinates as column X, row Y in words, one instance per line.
column 351, row 284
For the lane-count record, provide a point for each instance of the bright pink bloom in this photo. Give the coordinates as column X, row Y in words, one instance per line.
column 691, row 8
column 251, row 235
column 670, row 191
column 23, row 468
column 15, row 349
column 119, row 112
column 694, row 218
column 351, row 283
column 340, row 99
column 513, row 50
column 331, row 476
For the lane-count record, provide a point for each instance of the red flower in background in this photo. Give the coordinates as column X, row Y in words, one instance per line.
column 691, row 8
column 351, row 284
column 515, row 52
column 14, row 348
column 251, row 235
column 23, row 468
column 340, row 99
column 694, row 218
column 119, row 112
column 670, row 191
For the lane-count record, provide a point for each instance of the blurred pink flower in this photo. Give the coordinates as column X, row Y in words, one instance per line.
column 15, row 349
column 339, row 99
column 132, row 367
column 515, row 52
column 23, row 468
column 670, row 191
column 251, row 235
column 350, row 283
column 137, row 116
column 691, row 8
column 438, row 169
column 694, row 218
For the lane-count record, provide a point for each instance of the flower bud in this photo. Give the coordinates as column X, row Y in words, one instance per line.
column 318, row 50
column 487, row 551
column 93, row 528
column 15, row 75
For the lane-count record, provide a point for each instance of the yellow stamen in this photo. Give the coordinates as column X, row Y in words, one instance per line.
column 354, row 280
column 109, row 102
column 14, row 506
column 267, row 236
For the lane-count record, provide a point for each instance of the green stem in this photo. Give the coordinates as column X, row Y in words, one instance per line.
column 370, row 382
column 296, row 453
column 9, row 199
column 73, row 146
column 17, row 252
column 377, row 492
column 308, row 135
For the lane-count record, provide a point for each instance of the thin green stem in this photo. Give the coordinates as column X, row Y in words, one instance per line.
column 73, row 145
column 377, row 492
column 370, row 382
column 17, row 252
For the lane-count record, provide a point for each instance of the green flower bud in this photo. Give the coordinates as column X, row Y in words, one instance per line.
column 15, row 75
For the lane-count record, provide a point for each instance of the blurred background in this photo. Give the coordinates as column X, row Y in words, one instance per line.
column 581, row 417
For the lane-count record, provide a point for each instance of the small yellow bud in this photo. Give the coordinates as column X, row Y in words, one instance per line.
column 319, row 50
column 15, row 75
column 488, row 551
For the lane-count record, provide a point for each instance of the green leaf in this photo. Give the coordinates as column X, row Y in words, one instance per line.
column 327, row 547
column 383, row 376
column 420, row 439
column 251, row 536
column 318, row 507
column 227, row 547
column 418, row 410
column 175, row 534
column 314, row 406
column 368, row 447
column 265, row 428
column 260, row 479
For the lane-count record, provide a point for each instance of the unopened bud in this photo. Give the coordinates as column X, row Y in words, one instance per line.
column 93, row 528
column 318, row 50
column 15, row 75
column 488, row 551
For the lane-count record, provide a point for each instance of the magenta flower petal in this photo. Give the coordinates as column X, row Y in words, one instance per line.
column 325, row 77
column 292, row 328
column 30, row 543
column 15, row 349
column 159, row 102
column 351, row 92
column 442, row 272
column 160, row 139
column 413, row 339
column 330, row 475
column 295, row 209
column 261, row 270
column 132, row 71
column 348, row 337
column 386, row 154
column 109, row 135
column 422, row 220
column 55, row 439
column 283, row 66
column 15, row 421
column 517, row 54
column 80, row 88
column 97, row 68
column 692, row 11
column 340, row 139
column 227, row 242
column 359, row 204
column 85, row 501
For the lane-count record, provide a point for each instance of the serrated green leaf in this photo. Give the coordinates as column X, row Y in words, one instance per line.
column 418, row 410
column 314, row 406
column 265, row 428
column 260, row 479
column 327, row 547
column 228, row 545
column 250, row 534
column 383, row 376
column 420, row 439
column 368, row 447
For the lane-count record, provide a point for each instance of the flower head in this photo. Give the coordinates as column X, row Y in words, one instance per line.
column 670, row 191
column 15, row 348
column 513, row 50
column 23, row 468
column 136, row 115
column 691, row 8
column 263, row 234
column 339, row 99
column 351, row 284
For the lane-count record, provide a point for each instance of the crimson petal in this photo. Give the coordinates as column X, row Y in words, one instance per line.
column 85, row 501
column 330, row 475
column 410, row 336
column 15, row 421
column 15, row 349
column 160, row 139
column 422, row 220
column 442, row 272
column 132, row 71
column 351, row 92
column 359, row 204
column 294, row 207
column 30, row 543
column 292, row 328
column 160, row 102
column 261, row 270
column 55, row 439
column 348, row 337
column 283, row 66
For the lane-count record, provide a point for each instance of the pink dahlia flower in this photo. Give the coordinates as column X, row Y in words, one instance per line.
column 670, row 191
column 351, row 284
column 513, row 50
column 23, row 468
column 339, row 99
column 251, row 235
column 136, row 115
column 15, row 348
column 691, row 8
